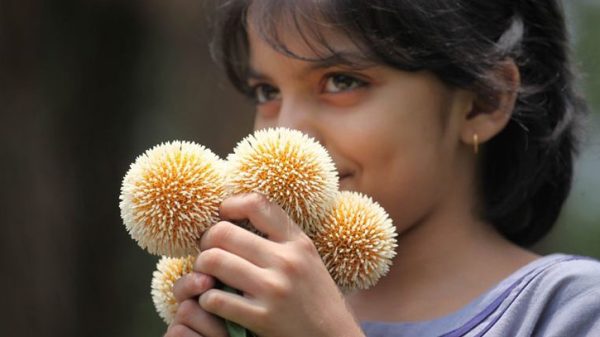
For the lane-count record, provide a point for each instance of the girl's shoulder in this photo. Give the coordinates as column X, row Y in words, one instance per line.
column 566, row 276
column 561, row 299
column 556, row 295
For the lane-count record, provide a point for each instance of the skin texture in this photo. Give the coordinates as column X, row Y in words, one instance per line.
column 403, row 138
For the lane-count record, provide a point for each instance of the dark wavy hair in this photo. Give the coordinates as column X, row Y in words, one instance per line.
column 526, row 170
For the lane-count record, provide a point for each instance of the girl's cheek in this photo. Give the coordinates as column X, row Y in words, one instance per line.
column 267, row 110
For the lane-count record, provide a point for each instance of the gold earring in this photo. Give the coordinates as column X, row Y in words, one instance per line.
column 475, row 143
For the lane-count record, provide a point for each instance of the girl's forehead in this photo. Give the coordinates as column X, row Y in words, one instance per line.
column 316, row 43
column 295, row 42
column 267, row 63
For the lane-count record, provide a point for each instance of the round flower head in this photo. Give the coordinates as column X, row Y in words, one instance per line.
column 356, row 241
column 289, row 168
column 171, row 195
column 168, row 270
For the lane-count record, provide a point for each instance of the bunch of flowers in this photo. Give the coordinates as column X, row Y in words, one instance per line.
column 172, row 192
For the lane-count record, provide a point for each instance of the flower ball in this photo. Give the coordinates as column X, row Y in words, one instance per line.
column 290, row 169
column 168, row 271
column 356, row 241
column 171, row 195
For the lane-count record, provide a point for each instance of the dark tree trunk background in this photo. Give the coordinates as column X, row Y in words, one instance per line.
column 85, row 87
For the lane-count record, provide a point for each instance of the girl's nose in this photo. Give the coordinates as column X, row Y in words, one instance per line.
column 299, row 115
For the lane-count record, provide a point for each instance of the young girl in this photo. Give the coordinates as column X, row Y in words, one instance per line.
column 458, row 117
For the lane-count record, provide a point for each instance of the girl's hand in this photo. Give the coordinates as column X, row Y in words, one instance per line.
column 191, row 320
column 287, row 290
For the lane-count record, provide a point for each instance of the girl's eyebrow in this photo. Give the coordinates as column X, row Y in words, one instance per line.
column 346, row 59
column 253, row 74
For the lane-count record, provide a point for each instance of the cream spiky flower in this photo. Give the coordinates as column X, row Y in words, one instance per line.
column 171, row 195
column 356, row 241
column 168, row 271
column 289, row 168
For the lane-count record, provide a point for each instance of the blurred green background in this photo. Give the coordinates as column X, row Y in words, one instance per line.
column 86, row 86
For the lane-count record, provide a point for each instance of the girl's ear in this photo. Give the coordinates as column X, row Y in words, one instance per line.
column 491, row 110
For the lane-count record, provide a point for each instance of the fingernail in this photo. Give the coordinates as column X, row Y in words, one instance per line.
column 203, row 281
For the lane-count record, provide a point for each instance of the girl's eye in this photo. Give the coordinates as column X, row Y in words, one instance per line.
column 341, row 82
column 264, row 93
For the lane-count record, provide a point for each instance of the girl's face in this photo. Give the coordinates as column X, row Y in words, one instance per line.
column 393, row 135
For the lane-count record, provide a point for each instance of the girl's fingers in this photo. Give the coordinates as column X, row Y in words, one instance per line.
column 230, row 269
column 232, row 307
column 238, row 241
column 192, row 285
column 192, row 316
column 266, row 216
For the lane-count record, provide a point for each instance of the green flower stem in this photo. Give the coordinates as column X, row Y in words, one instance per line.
column 234, row 329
